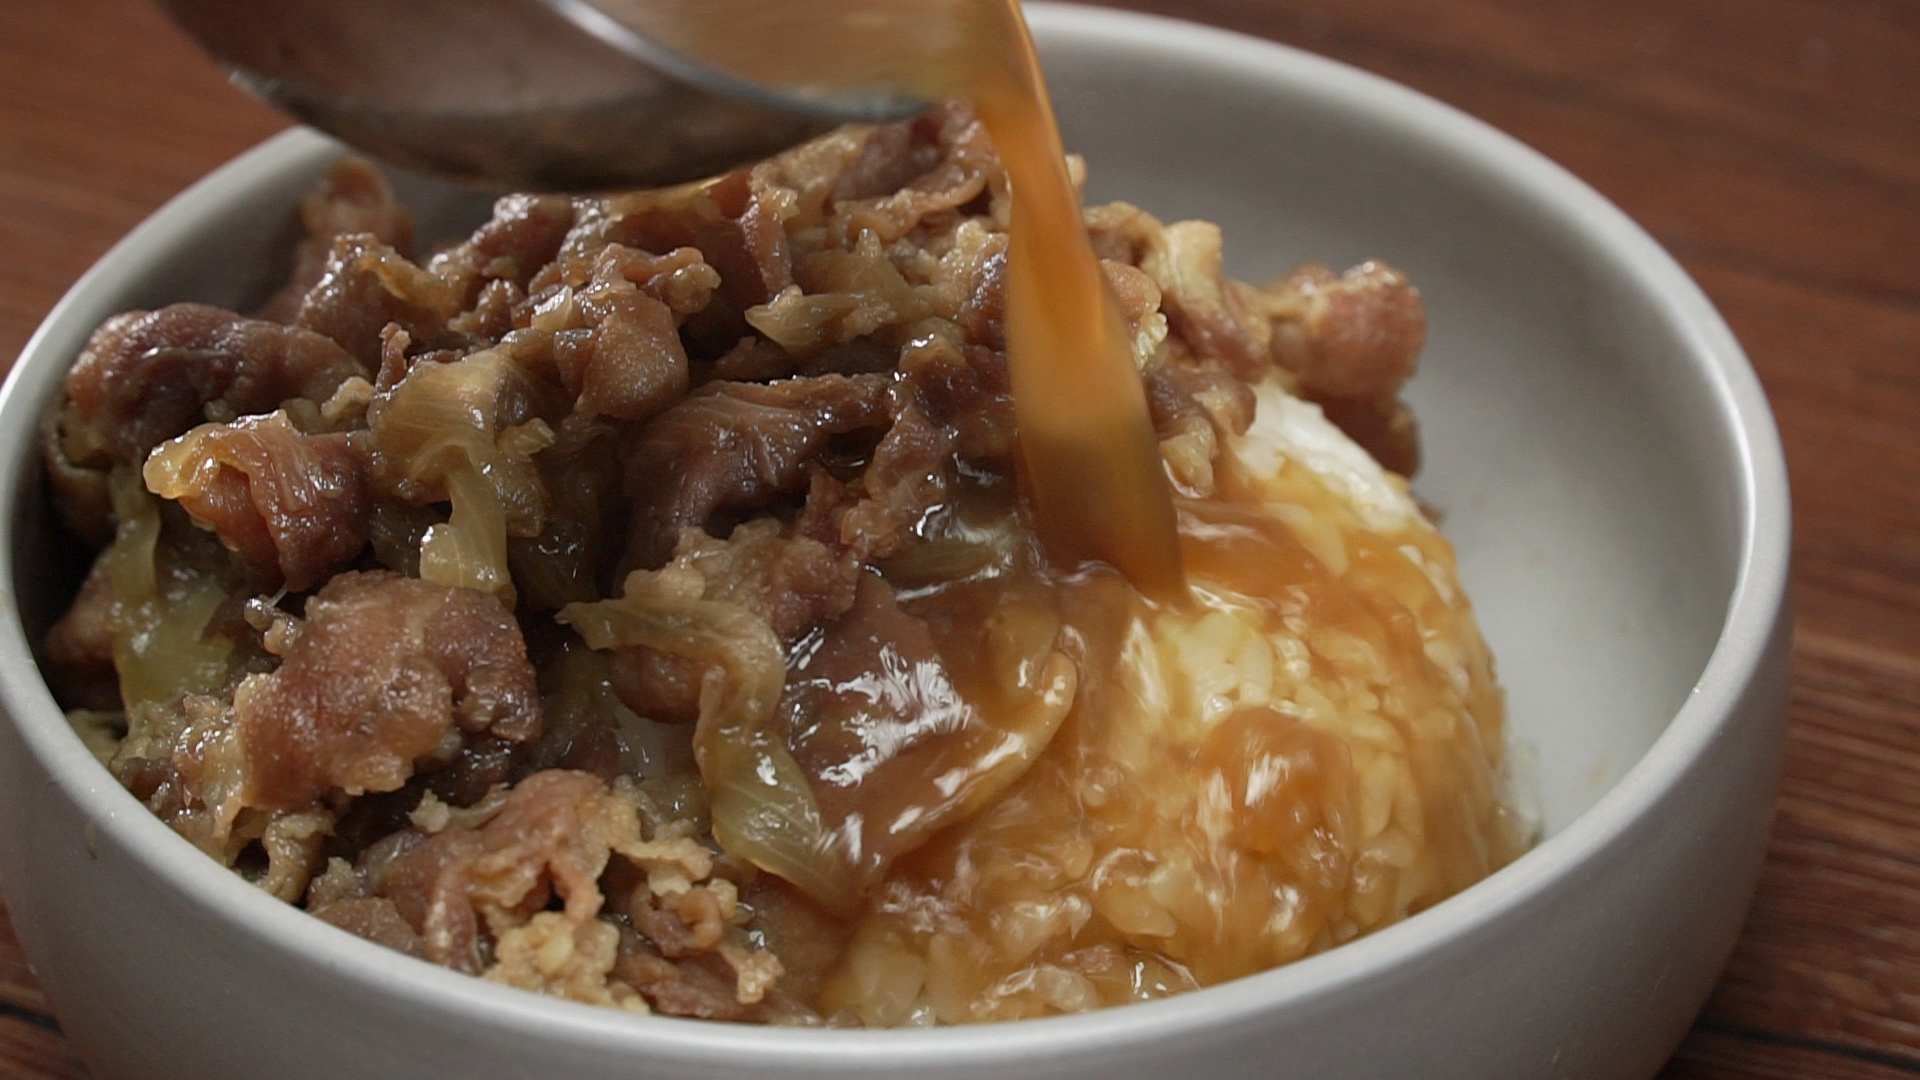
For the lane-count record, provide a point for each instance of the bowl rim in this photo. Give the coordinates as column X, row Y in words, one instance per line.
column 1756, row 605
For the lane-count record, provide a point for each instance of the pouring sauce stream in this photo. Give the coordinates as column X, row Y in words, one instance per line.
column 1091, row 461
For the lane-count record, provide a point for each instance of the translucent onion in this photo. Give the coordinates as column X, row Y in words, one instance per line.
column 469, row 549
column 763, row 806
column 445, row 433
column 160, row 613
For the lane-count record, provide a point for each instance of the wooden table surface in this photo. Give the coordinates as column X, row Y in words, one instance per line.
column 1773, row 145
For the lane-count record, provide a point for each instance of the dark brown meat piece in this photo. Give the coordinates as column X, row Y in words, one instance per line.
column 483, row 762
column 807, row 938
column 737, row 445
column 662, row 688
column 586, row 525
column 734, row 221
column 83, row 496
column 524, row 235
column 1350, row 341
column 676, row 989
column 870, row 690
column 1353, row 340
column 612, row 337
column 295, row 506
column 367, row 285
column 1383, row 426
column 546, row 839
column 909, row 475
column 355, row 198
column 908, row 173
column 526, row 231
column 460, row 888
column 1176, row 391
column 1352, row 335
column 964, row 388
column 423, row 879
column 682, row 278
column 892, row 746
column 684, row 925
column 701, row 987
column 1211, row 313
column 635, row 365
column 490, row 317
column 751, row 359
column 373, row 918
column 383, row 672
column 793, row 582
column 146, row 377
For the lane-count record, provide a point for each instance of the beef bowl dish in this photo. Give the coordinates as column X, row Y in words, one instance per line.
column 462, row 611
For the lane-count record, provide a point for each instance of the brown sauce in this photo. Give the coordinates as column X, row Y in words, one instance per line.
column 1092, row 462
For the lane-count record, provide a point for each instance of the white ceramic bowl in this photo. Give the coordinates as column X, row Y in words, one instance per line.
column 1609, row 472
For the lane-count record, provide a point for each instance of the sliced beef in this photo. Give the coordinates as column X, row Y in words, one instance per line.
column 148, row 376
column 737, row 445
column 893, row 743
column 1350, row 335
column 1178, row 391
column 734, row 220
column 1384, row 427
column 1212, row 314
column 355, row 198
column 1353, row 340
column 910, row 473
column 522, row 237
column 366, row 286
column 610, row 329
column 908, row 173
column 793, row 582
column 295, row 506
column 515, row 892
column 384, row 671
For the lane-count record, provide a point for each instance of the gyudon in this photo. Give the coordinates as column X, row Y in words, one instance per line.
column 636, row 603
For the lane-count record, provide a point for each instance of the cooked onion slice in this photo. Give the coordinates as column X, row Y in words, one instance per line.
column 763, row 807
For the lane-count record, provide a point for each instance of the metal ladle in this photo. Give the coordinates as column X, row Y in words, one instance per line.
column 548, row 95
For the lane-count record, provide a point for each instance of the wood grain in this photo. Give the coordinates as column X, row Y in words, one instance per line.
column 1774, row 145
